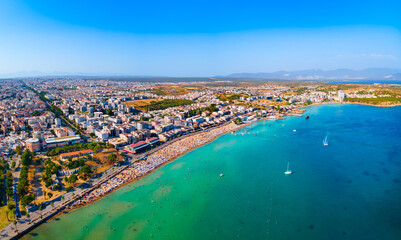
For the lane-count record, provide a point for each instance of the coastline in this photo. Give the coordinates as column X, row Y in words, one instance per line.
column 72, row 208
column 356, row 103
column 161, row 165
column 235, row 127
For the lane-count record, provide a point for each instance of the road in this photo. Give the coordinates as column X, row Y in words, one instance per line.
column 88, row 138
column 59, row 204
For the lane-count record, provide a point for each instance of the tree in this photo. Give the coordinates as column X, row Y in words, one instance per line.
column 25, row 200
column 50, row 194
column 112, row 157
column 96, row 149
column 18, row 150
column 44, row 193
column 26, row 157
column 86, row 169
column 73, row 178
column 15, row 224
column 13, row 163
column 109, row 112
column 10, row 205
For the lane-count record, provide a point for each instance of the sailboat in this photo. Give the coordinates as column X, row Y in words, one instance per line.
column 326, row 140
column 288, row 170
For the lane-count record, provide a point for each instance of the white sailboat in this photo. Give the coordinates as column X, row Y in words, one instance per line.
column 326, row 140
column 288, row 170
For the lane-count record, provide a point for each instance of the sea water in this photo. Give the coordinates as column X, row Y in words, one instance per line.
column 350, row 189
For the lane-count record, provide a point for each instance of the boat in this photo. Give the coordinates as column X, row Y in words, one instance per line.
column 326, row 140
column 307, row 117
column 221, row 175
column 288, row 172
column 294, row 130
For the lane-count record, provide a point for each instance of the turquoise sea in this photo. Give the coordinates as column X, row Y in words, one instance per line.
column 350, row 189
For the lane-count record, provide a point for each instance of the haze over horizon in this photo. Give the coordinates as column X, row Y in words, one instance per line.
column 206, row 39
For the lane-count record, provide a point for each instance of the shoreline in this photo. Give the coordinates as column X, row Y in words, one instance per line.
column 72, row 208
column 225, row 127
column 356, row 103
column 218, row 131
column 161, row 165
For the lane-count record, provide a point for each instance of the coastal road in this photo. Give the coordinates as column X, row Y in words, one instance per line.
column 59, row 204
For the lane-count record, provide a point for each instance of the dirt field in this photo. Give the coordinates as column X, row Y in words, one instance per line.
column 102, row 157
column 141, row 103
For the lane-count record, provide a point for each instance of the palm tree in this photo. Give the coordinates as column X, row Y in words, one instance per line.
column 15, row 224
column 7, row 211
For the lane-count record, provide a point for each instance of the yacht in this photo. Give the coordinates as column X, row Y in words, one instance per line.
column 288, row 169
column 326, row 140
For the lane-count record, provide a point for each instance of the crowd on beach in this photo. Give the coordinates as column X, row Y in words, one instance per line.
column 137, row 169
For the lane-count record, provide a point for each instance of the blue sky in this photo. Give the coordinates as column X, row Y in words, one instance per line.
column 197, row 38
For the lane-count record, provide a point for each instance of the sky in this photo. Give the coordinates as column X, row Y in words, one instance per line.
column 197, row 38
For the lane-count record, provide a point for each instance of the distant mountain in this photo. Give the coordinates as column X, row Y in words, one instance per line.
column 318, row 74
column 27, row 74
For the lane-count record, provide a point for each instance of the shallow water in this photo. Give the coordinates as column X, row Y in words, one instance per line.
column 350, row 189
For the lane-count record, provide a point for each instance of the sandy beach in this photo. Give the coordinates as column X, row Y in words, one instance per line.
column 139, row 169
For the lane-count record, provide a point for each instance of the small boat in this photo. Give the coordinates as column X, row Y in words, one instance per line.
column 294, row 130
column 326, row 140
column 307, row 117
column 288, row 172
column 221, row 175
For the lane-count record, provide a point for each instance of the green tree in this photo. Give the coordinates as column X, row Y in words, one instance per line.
column 96, row 149
column 50, row 194
column 86, row 169
column 109, row 112
column 112, row 157
column 18, row 150
column 10, row 205
column 72, row 179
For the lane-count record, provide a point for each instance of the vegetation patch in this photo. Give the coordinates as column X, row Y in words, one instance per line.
column 166, row 103
column 375, row 101
column 229, row 96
